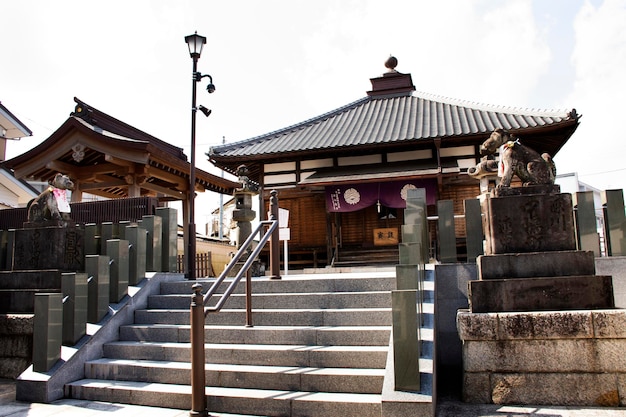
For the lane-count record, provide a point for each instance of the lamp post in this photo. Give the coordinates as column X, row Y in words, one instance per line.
column 195, row 43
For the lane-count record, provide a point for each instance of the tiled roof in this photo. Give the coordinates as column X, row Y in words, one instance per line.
column 391, row 119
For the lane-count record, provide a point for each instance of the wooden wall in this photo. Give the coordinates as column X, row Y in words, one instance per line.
column 458, row 194
column 307, row 217
column 358, row 226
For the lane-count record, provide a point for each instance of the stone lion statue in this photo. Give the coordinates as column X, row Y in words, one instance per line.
column 52, row 203
column 515, row 159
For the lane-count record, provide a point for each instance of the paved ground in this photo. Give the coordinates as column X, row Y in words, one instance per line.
column 448, row 408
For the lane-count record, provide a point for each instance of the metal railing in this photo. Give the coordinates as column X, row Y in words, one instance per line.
column 199, row 310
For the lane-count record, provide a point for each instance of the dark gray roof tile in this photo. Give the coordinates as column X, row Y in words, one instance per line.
column 390, row 119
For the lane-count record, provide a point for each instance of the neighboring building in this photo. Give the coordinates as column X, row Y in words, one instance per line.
column 343, row 174
column 569, row 183
column 13, row 193
column 223, row 217
column 11, row 128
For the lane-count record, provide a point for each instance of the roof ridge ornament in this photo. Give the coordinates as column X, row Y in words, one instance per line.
column 83, row 111
column 392, row 83
column 391, row 63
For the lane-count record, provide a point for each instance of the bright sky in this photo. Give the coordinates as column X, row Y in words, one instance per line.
column 278, row 62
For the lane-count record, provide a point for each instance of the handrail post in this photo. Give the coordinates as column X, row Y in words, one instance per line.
column 274, row 243
column 249, row 298
column 198, row 382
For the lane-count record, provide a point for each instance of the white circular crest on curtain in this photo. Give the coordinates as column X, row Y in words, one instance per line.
column 405, row 190
column 352, row 196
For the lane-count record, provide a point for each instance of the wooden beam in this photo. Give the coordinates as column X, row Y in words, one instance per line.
column 62, row 167
column 166, row 191
column 118, row 161
column 180, row 182
column 105, row 194
column 104, row 184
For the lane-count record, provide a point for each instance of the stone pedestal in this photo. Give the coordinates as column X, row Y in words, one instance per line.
column 53, row 247
column 523, row 223
column 531, row 262
column 539, row 329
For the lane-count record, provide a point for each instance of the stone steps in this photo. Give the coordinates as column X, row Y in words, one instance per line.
column 321, row 353
column 309, row 335
column 272, row 317
column 265, row 402
column 364, row 380
column 267, row 354
column 320, row 300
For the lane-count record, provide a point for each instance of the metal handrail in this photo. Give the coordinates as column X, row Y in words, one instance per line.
column 198, row 309
column 271, row 225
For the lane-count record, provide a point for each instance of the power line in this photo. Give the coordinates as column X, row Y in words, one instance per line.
column 602, row 172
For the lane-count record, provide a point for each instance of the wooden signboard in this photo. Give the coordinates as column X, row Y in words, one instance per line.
column 386, row 236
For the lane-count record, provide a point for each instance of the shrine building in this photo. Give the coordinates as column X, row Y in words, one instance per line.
column 343, row 175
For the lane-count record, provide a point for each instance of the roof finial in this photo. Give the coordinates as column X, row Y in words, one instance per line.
column 391, row 63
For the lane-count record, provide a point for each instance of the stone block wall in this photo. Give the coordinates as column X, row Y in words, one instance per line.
column 547, row 358
column 16, row 344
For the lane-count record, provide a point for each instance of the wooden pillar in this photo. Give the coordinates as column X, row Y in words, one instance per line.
column 77, row 193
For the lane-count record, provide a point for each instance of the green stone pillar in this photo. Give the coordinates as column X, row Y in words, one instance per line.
column 92, row 239
column 97, row 270
column 136, row 237
column 106, row 234
column 10, row 249
column 154, row 250
column 447, row 236
column 47, row 331
column 119, row 229
column 587, row 237
column 74, row 290
column 406, row 351
column 615, row 224
column 119, row 268
column 473, row 229
column 169, row 218
column 4, row 241
column 416, row 214
column 410, row 253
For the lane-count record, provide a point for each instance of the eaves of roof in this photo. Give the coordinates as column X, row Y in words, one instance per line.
column 389, row 120
column 13, row 127
column 142, row 149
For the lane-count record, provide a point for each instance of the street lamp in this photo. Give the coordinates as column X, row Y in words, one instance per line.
column 195, row 43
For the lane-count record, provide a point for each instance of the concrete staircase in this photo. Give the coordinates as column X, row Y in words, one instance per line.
column 318, row 347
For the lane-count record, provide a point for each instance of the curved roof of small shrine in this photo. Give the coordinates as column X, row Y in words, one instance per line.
column 106, row 156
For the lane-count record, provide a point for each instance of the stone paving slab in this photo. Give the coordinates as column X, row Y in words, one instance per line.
column 446, row 408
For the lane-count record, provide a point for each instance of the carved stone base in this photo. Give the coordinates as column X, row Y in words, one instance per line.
column 583, row 292
column 528, row 223
column 54, row 247
column 527, row 190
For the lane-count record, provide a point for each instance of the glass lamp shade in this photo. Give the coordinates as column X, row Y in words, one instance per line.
column 195, row 43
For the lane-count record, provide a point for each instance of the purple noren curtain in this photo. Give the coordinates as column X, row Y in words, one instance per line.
column 353, row 197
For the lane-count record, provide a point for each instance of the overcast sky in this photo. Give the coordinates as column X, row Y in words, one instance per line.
column 278, row 62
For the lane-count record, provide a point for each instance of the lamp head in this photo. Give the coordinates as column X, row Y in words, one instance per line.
column 204, row 110
column 195, row 43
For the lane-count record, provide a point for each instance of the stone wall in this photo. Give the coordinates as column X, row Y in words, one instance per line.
column 573, row 358
column 16, row 344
